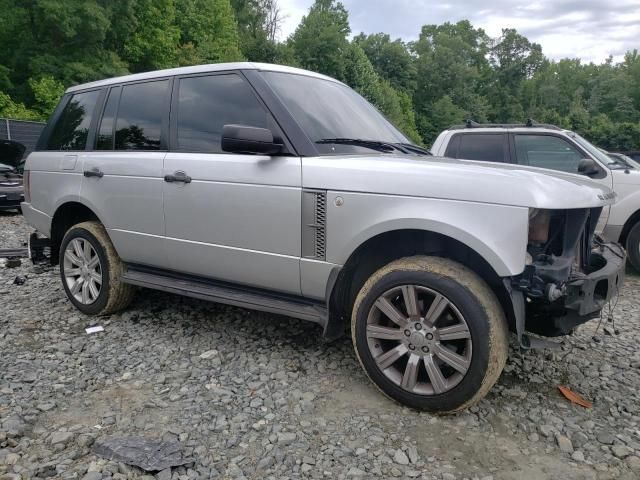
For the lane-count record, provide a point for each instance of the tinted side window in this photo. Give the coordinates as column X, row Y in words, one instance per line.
column 488, row 147
column 546, row 151
column 104, row 139
column 142, row 106
column 206, row 104
column 72, row 127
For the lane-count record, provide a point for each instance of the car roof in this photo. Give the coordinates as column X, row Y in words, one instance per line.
column 213, row 67
column 510, row 129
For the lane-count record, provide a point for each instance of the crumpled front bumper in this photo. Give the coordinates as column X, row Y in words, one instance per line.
column 588, row 294
column 584, row 296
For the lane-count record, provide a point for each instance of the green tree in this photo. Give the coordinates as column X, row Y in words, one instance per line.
column 320, row 41
column 391, row 59
column 208, row 32
column 514, row 59
column 258, row 25
column 46, row 92
column 442, row 115
column 453, row 72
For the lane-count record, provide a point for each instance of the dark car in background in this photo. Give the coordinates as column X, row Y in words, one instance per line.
column 11, row 164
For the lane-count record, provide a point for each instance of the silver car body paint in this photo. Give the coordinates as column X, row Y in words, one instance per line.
column 239, row 220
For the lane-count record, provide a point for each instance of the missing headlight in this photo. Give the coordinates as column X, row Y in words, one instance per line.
column 539, row 221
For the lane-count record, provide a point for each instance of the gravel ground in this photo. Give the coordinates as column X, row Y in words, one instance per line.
column 252, row 395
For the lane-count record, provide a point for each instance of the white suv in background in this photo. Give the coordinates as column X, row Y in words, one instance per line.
column 550, row 147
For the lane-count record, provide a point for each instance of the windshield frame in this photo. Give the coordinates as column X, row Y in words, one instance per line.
column 594, row 151
column 364, row 107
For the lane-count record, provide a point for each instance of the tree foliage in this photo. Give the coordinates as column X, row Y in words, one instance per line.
column 452, row 72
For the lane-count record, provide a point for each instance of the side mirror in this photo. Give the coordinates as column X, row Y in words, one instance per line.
column 588, row 167
column 243, row 139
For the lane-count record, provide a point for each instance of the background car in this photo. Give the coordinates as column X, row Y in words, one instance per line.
column 553, row 148
column 11, row 164
column 623, row 159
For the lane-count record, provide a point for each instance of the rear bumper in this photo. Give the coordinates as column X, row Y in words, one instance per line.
column 37, row 219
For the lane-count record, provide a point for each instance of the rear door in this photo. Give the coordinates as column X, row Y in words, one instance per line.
column 55, row 172
column 238, row 217
column 122, row 179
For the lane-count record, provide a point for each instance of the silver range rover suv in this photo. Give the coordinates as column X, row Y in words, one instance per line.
column 282, row 190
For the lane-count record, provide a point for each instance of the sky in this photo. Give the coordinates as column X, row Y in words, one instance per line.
column 587, row 29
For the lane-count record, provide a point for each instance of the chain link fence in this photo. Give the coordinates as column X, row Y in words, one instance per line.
column 24, row 131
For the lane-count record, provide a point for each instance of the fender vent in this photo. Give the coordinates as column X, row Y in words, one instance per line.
column 314, row 224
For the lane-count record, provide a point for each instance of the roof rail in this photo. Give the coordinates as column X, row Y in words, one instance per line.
column 529, row 124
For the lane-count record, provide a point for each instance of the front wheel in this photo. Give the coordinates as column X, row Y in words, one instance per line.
column 633, row 246
column 430, row 333
column 91, row 271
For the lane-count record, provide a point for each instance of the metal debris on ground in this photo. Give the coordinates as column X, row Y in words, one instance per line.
column 19, row 280
column 13, row 263
column 13, row 252
column 574, row 397
column 150, row 455
column 96, row 329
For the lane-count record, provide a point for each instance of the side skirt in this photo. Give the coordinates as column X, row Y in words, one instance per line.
column 229, row 294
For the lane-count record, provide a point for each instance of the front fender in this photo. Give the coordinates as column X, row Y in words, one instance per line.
column 498, row 233
column 628, row 203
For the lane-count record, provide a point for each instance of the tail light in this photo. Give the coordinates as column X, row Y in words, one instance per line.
column 26, row 181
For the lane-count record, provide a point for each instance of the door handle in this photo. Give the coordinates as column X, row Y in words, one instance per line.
column 94, row 172
column 177, row 177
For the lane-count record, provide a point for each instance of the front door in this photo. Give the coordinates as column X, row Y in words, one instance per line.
column 230, row 217
column 556, row 153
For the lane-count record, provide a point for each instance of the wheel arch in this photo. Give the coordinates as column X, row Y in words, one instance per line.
column 376, row 251
column 66, row 215
column 628, row 225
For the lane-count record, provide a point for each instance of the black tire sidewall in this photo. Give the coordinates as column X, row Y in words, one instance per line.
column 633, row 247
column 100, row 303
column 479, row 326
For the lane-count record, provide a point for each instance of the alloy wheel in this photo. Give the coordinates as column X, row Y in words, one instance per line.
column 419, row 339
column 82, row 271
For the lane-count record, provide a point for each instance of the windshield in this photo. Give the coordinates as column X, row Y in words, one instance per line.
column 628, row 161
column 328, row 110
column 595, row 151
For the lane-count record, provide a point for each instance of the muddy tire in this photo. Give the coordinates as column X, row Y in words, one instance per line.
column 91, row 271
column 430, row 333
column 633, row 246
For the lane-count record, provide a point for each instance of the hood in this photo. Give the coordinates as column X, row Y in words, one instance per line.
column 626, row 177
column 463, row 180
column 11, row 153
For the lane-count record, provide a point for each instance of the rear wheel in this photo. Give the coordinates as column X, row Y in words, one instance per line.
column 430, row 333
column 91, row 271
column 633, row 246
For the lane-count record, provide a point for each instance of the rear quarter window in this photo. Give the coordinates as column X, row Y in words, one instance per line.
column 71, row 129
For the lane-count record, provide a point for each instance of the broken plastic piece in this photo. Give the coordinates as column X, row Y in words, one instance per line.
column 150, row 455
column 574, row 397
column 96, row 329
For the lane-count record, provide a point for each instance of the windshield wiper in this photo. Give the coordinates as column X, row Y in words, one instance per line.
column 372, row 144
column 415, row 149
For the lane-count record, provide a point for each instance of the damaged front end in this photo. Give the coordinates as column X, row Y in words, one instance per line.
column 571, row 274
